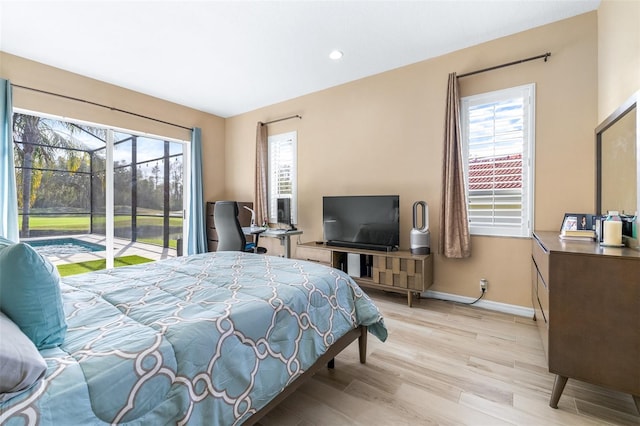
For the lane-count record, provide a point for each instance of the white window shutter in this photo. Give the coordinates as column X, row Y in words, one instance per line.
column 282, row 151
column 497, row 130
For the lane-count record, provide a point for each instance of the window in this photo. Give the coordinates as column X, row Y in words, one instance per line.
column 77, row 179
column 498, row 139
column 282, row 151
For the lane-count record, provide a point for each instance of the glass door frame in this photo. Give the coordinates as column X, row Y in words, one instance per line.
column 110, row 175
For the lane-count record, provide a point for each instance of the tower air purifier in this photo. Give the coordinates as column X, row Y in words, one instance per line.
column 420, row 238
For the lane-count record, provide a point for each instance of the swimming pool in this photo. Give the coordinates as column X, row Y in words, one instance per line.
column 63, row 246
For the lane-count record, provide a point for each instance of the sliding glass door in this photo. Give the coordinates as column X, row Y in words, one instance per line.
column 98, row 185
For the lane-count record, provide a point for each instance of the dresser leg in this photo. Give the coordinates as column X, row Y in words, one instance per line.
column 636, row 399
column 558, row 387
column 409, row 298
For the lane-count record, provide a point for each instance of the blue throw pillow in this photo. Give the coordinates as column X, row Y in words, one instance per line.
column 30, row 295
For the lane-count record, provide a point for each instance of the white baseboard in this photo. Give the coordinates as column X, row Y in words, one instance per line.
column 485, row 304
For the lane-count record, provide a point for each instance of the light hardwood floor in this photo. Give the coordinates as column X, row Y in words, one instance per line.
column 448, row 364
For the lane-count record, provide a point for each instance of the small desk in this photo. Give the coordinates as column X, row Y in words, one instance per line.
column 255, row 231
column 284, row 236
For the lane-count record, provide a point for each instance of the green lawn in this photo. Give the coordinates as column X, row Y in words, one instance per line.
column 82, row 225
column 158, row 242
column 96, row 265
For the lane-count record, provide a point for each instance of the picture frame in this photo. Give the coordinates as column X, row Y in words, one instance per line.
column 578, row 221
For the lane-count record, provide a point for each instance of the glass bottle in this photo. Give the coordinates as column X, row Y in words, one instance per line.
column 612, row 229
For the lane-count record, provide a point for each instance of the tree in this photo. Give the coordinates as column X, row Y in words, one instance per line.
column 66, row 184
column 35, row 142
column 176, row 184
column 156, row 174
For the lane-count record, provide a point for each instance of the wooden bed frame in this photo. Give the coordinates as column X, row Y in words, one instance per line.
column 359, row 333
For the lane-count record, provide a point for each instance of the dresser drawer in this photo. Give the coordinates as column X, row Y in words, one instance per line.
column 541, row 260
column 543, row 298
column 543, row 327
column 313, row 254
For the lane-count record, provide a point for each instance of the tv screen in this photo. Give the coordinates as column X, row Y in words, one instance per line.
column 284, row 211
column 362, row 221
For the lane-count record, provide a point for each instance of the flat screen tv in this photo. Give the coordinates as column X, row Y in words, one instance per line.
column 284, row 211
column 362, row 221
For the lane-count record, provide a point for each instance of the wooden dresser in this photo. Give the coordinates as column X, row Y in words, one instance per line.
column 587, row 305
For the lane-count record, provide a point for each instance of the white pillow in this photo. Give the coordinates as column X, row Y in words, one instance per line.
column 21, row 365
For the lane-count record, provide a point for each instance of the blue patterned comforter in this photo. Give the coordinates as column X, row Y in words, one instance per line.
column 206, row 339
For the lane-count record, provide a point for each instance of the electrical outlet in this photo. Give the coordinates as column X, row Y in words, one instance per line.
column 484, row 284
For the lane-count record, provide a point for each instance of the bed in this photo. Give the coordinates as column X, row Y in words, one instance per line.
column 217, row 338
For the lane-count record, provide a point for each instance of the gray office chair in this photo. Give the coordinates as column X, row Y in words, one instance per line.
column 230, row 234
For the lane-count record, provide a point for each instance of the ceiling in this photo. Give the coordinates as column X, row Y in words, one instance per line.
column 231, row 57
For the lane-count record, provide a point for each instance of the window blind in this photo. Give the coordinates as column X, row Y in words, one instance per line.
column 282, row 151
column 498, row 139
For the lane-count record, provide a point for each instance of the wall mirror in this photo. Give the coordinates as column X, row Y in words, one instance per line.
column 618, row 159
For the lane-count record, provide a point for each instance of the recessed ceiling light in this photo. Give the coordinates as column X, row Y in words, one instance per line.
column 335, row 55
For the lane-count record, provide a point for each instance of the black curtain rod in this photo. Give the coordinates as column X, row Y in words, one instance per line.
column 282, row 119
column 533, row 58
column 101, row 105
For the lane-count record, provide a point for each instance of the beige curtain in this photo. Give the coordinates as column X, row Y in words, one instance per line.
column 455, row 240
column 262, row 165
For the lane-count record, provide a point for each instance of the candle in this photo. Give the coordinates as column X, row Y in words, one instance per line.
column 612, row 232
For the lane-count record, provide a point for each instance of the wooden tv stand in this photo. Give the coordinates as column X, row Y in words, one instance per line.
column 397, row 271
